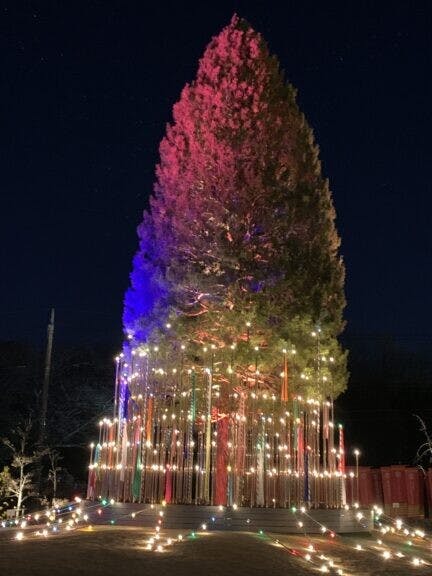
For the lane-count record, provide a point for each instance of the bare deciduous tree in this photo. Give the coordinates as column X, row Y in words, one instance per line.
column 18, row 482
column 54, row 458
column 424, row 453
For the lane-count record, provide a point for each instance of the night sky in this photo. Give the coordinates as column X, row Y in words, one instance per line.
column 86, row 91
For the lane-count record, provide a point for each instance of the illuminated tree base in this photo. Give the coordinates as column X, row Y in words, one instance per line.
column 192, row 435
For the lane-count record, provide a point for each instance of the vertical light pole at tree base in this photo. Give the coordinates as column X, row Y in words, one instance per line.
column 211, row 433
column 357, row 456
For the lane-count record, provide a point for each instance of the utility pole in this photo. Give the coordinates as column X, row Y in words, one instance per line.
column 47, row 372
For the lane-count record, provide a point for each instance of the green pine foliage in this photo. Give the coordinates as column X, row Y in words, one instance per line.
column 244, row 225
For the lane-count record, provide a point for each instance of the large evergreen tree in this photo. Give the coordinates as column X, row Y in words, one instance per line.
column 240, row 245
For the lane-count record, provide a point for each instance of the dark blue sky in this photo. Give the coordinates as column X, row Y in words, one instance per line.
column 86, row 90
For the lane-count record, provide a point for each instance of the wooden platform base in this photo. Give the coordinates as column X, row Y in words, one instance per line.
column 184, row 517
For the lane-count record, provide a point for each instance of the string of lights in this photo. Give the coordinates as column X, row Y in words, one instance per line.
column 210, row 432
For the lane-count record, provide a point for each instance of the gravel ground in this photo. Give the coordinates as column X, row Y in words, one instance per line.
column 116, row 551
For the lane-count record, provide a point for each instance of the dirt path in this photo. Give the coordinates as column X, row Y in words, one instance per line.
column 117, row 551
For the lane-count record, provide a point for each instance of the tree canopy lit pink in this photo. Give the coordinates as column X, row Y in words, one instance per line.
column 241, row 217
